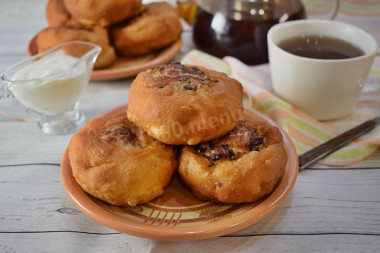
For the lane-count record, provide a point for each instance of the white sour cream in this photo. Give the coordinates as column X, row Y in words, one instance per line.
column 51, row 96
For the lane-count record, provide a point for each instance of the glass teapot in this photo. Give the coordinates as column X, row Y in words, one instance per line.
column 239, row 28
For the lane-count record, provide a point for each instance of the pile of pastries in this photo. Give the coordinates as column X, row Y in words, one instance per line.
column 120, row 27
column 180, row 118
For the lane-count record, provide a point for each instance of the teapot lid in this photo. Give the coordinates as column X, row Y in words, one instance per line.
column 251, row 9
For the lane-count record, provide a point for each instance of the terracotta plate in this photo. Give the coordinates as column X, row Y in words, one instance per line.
column 128, row 66
column 177, row 214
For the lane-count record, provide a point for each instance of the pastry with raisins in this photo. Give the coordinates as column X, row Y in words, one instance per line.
column 242, row 166
column 185, row 104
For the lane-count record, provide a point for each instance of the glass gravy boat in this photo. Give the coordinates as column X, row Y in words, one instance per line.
column 46, row 87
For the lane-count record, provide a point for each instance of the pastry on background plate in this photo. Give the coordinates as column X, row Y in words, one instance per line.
column 184, row 104
column 57, row 15
column 101, row 12
column 114, row 160
column 242, row 166
column 53, row 36
column 158, row 26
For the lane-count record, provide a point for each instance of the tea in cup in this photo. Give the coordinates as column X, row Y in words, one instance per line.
column 49, row 85
column 320, row 66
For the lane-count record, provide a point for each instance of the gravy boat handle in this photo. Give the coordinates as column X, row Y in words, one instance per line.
column 11, row 109
column 4, row 92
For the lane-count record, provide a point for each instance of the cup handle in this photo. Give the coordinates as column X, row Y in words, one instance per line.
column 336, row 10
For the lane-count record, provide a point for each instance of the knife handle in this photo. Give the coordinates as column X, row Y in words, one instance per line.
column 335, row 143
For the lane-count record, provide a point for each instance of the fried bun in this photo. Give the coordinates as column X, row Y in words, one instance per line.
column 57, row 15
column 184, row 104
column 242, row 166
column 114, row 160
column 101, row 12
column 53, row 36
column 158, row 26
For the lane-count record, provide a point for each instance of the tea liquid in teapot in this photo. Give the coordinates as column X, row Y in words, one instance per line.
column 239, row 27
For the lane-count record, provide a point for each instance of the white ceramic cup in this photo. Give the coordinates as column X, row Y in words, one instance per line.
column 324, row 89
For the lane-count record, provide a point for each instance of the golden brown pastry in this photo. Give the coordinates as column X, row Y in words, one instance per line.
column 158, row 26
column 101, row 12
column 183, row 104
column 52, row 36
column 242, row 166
column 119, row 163
column 57, row 15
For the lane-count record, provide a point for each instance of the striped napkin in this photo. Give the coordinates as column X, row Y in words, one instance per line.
column 353, row 9
column 304, row 131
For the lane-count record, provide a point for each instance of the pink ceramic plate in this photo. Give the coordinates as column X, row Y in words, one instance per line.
column 177, row 214
column 128, row 66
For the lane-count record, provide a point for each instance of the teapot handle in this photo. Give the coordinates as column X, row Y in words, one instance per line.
column 336, row 10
